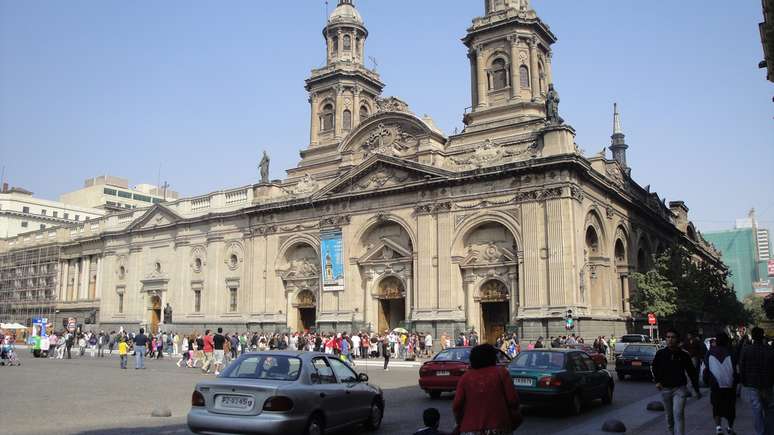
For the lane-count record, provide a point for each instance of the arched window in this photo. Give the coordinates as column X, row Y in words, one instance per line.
column 524, row 76
column 592, row 240
column 363, row 112
column 499, row 74
column 347, row 43
column 347, row 120
column 327, row 118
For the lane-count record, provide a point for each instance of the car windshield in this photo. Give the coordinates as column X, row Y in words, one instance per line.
column 539, row 360
column 453, row 355
column 640, row 351
column 268, row 367
column 634, row 339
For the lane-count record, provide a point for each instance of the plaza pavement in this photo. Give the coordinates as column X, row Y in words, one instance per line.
column 93, row 396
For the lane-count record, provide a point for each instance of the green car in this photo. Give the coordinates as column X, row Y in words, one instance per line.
column 567, row 376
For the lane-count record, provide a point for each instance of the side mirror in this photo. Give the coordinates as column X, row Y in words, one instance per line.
column 362, row 377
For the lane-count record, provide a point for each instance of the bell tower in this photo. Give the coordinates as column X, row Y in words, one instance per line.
column 344, row 91
column 510, row 64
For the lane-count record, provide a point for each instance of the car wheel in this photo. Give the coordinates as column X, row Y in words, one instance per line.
column 621, row 376
column 575, row 404
column 315, row 426
column 434, row 394
column 375, row 416
column 607, row 398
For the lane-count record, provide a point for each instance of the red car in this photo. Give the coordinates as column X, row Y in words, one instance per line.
column 447, row 367
column 599, row 358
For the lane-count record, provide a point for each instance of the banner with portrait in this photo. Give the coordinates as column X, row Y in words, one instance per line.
column 332, row 262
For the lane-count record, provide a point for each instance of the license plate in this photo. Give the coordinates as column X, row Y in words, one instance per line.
column 523, row 382
column 442, row 373
column 236, row 402
column 636, row 363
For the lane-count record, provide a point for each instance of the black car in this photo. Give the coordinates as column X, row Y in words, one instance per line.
column 636, row 361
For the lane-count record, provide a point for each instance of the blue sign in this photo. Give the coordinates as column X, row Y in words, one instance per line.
column 332, row 262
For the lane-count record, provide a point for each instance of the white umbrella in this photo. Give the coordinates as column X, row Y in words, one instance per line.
column 12, row 326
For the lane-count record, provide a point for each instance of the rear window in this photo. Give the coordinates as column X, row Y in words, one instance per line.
column 639, row 350
column 633, row 339
column 453, row 355
column 268, row 367
column 539, row 360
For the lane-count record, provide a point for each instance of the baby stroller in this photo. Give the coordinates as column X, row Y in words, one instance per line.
column 8, row 357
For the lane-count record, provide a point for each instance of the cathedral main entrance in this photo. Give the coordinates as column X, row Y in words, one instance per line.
column 392, row 304
column 495, row 313
column 307, row 310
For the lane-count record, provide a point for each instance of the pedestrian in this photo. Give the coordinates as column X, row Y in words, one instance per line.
column 428, row 345
column 719, row 374
column 122, row 351
column 669, row 372
column 208, row 347
column 486, row 401
column 140, row 341
column 217, row 350
column 386, row 352
column 69, row 344
column 695, row 348
column 539, row 343
column 432, row 420
column 756, row 371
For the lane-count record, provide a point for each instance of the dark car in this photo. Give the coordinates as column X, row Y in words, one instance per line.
column 567, row 376
column 285, row 392
column 636, row 361
column 447, row 367
column 599, row 358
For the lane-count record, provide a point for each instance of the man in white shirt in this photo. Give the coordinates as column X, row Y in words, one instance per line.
column 356, row 345
column 429, row 344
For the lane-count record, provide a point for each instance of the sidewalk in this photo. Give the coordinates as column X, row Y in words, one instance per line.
column 698, row 415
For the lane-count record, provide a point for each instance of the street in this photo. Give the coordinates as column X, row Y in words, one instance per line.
column 91, row 395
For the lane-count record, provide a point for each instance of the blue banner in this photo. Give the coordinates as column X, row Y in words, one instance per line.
column 332, row 261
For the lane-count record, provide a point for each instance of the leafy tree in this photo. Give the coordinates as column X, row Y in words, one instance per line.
column 754, row 305
column 655, row 294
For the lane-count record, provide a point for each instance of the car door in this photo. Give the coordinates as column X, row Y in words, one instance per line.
column 581, row 375
column 597, row 379
column 352, row 398
column 328, row 391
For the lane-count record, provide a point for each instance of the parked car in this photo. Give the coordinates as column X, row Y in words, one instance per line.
column 636, row 361
column 628, row 339
column 285, row 392
column 567, row 376
column 599, row 358
column 447, row 367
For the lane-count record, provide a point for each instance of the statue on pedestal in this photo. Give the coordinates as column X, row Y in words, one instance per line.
column 168, row 313
column 552, row 106
column 264, row 166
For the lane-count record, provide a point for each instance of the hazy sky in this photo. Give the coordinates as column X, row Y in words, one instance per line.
column 200, row 88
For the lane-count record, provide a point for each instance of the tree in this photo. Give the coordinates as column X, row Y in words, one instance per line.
column 754, row 305
column 655, row 294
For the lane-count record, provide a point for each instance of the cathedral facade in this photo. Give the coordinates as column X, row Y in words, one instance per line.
column 387, row 222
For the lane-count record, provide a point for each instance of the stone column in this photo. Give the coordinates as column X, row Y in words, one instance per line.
column 515, row 80
column 340, row 36
column 338, row 122
column 98, row 290
column 329, row 57
column 549, row 72
column 63, row 280
column 534, row 74
column 481, row 77
column 314, row 130
column 409, row 297
column 473, row 78
column 85, row 278
column 626, row 304
column 514, row 300
column 77, row 282
column 356, row 107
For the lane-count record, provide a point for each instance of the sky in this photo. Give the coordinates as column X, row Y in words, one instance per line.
column 196, row 90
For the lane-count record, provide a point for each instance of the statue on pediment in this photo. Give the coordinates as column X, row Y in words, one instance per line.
column 264, row 168
column 552, row 106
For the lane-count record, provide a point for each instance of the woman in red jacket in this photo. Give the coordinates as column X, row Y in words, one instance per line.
column 486, row 402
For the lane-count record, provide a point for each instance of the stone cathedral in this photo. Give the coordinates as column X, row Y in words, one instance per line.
column 388, row 222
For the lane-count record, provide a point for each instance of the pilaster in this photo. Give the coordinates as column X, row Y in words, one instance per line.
column 533, row 56
column 515, row 81
column 481, row 77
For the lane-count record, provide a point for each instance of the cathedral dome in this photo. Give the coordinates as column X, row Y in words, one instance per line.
column 345, row 12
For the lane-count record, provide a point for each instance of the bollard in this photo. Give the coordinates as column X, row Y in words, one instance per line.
column 655, row 406
column 161, row 411
column 616, row 426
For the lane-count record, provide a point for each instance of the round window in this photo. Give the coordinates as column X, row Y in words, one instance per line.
column 158, row 267
column 198, row 264
column 233, row 260
column 121, row 272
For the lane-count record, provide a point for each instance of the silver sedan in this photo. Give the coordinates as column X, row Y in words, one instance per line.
column 285, row 393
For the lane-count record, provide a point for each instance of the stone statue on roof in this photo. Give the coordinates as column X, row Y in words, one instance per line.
column 552, row 106
column 264, row 166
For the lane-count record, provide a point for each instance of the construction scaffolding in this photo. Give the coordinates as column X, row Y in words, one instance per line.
column 29, row 280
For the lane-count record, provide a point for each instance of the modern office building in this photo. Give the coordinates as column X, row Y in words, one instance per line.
column 113, row 193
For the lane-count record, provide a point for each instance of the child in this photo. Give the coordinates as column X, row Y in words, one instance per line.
column 122, row 351
column 432, row 419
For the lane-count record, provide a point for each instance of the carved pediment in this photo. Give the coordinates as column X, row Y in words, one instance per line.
column 487, row 255
column 386, row 251
column 156, row 216
column 301, row 269
column 382, row 172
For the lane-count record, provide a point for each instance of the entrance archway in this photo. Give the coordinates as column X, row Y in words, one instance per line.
column 307, row 310
column 495, row 310
column 392, row 303
column 155, row 314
